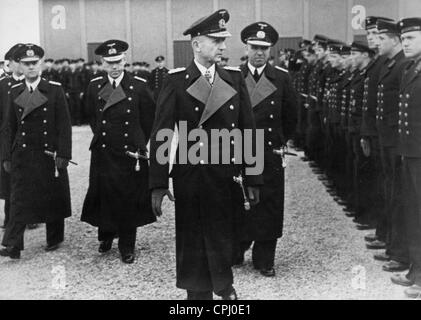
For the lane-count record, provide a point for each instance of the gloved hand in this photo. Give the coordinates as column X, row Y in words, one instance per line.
column 157, row 197
column 253, row 195
column 61, row 163
column 7, row 165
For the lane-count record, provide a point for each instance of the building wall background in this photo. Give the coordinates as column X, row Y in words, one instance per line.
column 151, row 26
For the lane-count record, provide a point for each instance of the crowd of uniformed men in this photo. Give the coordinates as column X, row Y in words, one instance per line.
column 359, row 126
column 353, row 109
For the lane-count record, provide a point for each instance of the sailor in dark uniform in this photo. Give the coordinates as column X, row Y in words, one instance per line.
column 209, row 203
column 6, row 83
column 275, row 110
column 409, row 148
column 158, row 75
column 37, row 150
column 121, row 111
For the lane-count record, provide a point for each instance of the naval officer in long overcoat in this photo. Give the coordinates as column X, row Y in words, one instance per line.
column 208, row 201
column 275, row 110
column 121, row 111
column 37, row 149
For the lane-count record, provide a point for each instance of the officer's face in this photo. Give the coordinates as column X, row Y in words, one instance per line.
column 258, row 55
column 386, row 44
column 115, row 68
column 346, row 61
column 209, row 49
column 31, row 69
column 161, row 64
column 411, row 42
column 373, row 38
column 320, row 52
column 310, row 57
column 334, row 59
column 356, row 57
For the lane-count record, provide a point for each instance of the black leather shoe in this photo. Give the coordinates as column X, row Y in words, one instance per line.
column 231, row 296
column 127, row 258
column 401, row 280
column 370, row 237
column 267, row 272
column 52, row 247
column 11, row 252
column 105, row 246
column 350, row 214
column 395, row 266
column 381, row 257
column 377, row 244
column 194, row 295
column 32, row 226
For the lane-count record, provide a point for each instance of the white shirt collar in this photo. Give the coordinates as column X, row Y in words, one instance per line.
column 203, row 70
column 259, row 70
column 117, row 80
column 20, row 78
column 34, row 84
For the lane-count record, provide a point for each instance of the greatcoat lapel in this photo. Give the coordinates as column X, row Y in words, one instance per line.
column 31, row 101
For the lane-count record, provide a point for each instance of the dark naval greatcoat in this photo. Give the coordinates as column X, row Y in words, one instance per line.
column 36, row 123
column 208, row 202
column 275, row 111
column 6, row 83
column 121, row 119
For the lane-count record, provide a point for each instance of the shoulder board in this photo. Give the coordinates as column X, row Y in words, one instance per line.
column 97, row 78
column 139, row 78
column 16, row 85
column 1, row 78
column 176, row 70
column 55, row 83
column 282, row 69
column 418, row 67
column 391, row 64
column 232, row 68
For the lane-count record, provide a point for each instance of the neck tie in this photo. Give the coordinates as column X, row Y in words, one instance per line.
column 256, row 75
column 31, row 90
column 114, row 84
column 208, row 76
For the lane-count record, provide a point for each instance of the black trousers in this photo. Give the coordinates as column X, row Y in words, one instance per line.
column 263, row 253
column 126, row 238
column 411, row 173
column 393, row 217
column 6, row 211
column 14, row 235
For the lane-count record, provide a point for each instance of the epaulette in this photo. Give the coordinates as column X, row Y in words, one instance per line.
column 97, row 78
column 1, row 78
column 232, row 68
column 176, row 70
column 139, row 78
column 54, row 83
column 282, row 69
column 16, row 85
column 391, row 64
column 418, row 67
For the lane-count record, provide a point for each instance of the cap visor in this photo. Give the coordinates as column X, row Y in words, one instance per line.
column 222, row 34
column 259, row 43
column 114, row 58
column 29, row 59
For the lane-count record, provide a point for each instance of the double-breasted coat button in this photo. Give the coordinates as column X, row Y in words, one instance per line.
column 45, row 109
column 130, row 98
column 23, row 122
column 271, row 116
column 131, row 87
column 45, row 133
column 231, row 107
column 104, row 133
column 407, row 133
column 24, row 145
column 128, row 111
column 126, row 135
column 45, row 121
column 104, row 121
column 270, row 143
column 23, row 133
column 46, row 145
column 272, row 102
column 270, row 129
column 103, row 146
column 196, row 109
column 125, row 147
column 233, row 125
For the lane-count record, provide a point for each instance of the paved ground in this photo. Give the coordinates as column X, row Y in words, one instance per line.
column 321, row 256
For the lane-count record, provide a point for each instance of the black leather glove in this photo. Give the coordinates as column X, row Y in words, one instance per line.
column 61, row 163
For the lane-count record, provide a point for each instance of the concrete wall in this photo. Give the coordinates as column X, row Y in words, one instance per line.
column 151, row 26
